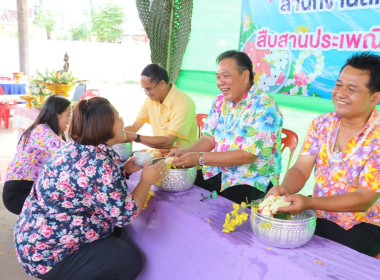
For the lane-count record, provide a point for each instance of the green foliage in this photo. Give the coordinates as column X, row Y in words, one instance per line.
column 80, row 32
column 45, row 19
column 167, row 24
column 54, row 77
column 63, row 37
column 107, row 24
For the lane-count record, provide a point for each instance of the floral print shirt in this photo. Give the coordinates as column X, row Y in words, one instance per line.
column 253, row 125
column 80, row 197
column 29, row 159
column 362, row 168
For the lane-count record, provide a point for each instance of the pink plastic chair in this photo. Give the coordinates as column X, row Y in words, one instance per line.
column 200, row 123
column 5, row 110
column 90, row 93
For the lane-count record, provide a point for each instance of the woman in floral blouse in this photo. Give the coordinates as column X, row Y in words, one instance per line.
column 344, row 147
column 65, row 230
column 42, row 139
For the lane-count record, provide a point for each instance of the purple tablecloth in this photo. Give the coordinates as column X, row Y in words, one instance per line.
column 181, row 238
column 13, row 88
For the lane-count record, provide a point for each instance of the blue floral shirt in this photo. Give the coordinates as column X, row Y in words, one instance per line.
column 80, row 197
column 253, row 125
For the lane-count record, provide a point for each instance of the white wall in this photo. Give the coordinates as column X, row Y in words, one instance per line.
column 100, row 62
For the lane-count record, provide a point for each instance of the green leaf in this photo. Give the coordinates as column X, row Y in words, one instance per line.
column 264, row 169
column 266, row 152
column 167, row 24
column 260, row 143
column 251, row 131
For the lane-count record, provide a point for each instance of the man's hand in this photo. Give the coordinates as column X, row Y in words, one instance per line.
column 130, row 166
column 187, row 160
column 130, row 136
column 176, row 152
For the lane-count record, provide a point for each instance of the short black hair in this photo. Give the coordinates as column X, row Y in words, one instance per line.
column 156, row 73
column 242, row 60
column 366, row 61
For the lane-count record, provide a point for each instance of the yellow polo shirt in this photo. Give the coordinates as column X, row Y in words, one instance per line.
column 175, row 116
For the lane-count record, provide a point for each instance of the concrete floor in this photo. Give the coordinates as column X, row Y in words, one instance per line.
column 9, row 267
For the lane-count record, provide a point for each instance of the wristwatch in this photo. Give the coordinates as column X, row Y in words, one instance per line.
column 137, row 140
column 201, row 160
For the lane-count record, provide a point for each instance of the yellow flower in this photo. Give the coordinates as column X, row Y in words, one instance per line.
column 151, row 193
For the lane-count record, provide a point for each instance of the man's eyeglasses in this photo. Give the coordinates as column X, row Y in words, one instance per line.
column 149, row 90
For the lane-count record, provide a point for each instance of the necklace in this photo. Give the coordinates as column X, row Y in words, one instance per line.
column 227, row 113
column 334, row 156
column 167, row 116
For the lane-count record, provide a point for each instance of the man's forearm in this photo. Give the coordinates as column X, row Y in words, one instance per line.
column 158, row 142
column 203, row 144
column 228, row 158
column 130, row 128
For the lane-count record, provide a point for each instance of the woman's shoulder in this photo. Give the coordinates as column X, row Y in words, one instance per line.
column 42, row 128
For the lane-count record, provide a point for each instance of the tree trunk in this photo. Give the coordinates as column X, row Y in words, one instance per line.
column 23, row 39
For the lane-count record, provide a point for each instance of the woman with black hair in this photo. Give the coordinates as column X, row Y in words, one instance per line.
column 42, row 139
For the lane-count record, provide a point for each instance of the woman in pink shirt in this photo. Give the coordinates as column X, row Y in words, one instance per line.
column 42, row 139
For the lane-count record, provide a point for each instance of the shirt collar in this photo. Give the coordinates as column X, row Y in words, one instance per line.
column 170, row 96
column 247, row 99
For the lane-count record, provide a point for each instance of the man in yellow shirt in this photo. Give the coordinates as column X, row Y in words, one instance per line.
column 169, row 111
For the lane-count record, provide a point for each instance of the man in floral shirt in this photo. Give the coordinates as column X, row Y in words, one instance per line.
column 344, row 147
column 240, row 149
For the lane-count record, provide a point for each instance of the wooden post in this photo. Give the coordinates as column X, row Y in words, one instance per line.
column 23, row 36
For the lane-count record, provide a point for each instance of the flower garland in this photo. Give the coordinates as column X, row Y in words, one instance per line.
column 235, row 218
column 150, row 194
column 353, row 150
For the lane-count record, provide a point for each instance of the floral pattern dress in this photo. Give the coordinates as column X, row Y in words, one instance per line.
column 30, row 159
column 80, row 197
column 253, row 125
column 345, row 173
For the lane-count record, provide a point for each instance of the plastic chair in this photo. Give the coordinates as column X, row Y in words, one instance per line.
column 200, row 123
column 5, row 110
column 5, row 113
column 79, row 91
column 90, row 93
column 289, row 141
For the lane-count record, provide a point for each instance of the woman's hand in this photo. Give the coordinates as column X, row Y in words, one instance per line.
column 130, row 166
column 151, row 174
column 299, row 203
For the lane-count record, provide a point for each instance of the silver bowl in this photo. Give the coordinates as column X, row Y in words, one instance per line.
column 124, row 150
column 284, row 233
column 178, row 180
column 142, row 158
